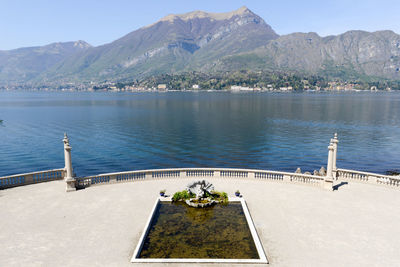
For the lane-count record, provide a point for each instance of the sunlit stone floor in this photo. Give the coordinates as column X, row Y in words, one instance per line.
column 41, row 225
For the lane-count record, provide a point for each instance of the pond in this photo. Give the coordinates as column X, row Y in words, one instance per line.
column 182, row 232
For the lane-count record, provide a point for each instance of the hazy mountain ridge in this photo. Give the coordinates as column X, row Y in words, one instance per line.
column 352, row 54
column 24, row 64
column 207, row 42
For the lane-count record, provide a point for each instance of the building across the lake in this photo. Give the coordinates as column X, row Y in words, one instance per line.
column 162, row 87
column 241, row 88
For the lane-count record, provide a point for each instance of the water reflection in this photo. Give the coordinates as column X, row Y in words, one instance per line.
column 199, row 215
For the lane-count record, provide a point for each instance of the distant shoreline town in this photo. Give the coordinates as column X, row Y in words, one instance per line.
column 113, row 87
column 236, row 81
column 333, row 86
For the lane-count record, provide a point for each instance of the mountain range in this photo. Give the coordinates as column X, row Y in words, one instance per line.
column 206, row 42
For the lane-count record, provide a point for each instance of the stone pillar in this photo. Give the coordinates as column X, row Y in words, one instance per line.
column 335, row 142
column 328, row 182
column 69, row 179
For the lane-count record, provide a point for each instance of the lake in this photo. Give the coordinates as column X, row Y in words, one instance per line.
column 112, row 132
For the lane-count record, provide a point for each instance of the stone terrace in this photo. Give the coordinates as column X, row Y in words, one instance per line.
column 357, row 225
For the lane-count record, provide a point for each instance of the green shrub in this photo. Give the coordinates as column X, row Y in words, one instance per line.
column 182, row 195
column 224, row 195
column 177, row 196
column 220, row 196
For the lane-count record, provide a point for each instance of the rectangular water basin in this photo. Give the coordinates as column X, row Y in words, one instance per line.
column 176, row 232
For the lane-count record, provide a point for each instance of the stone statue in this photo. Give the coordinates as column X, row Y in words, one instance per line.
column 322, row 171
column 199, row 188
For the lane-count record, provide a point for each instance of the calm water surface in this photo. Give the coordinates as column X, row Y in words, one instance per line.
column 130, row 131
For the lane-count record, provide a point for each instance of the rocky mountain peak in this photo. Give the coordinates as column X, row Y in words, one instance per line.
column 81, row 44
column 213, row 16
column 243, row 10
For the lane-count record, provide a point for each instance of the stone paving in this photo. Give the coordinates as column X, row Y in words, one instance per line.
column 42, row 225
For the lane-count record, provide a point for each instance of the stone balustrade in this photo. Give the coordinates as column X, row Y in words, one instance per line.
column 367, row 177
column 269, row 176
column 31, row 178
column 333, row 174
column 234, row 173
column 165, row 173
column 197, row 173
column 306, row 179
column 131, row 176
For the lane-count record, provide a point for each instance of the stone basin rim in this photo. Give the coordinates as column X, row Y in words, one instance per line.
column 260, row 250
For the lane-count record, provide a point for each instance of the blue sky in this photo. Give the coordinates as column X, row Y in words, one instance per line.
column 39, row 22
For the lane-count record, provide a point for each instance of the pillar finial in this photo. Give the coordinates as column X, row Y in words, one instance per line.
column 66, row 139
column 330, row 144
